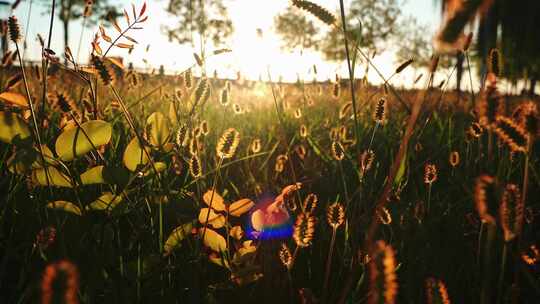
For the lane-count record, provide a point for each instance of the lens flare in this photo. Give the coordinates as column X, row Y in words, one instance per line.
column 269, row 219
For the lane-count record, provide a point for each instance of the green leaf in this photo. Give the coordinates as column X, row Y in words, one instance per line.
column 12, row 125
column 174, row 240
column 158, row 128
column 93, row 176
column 73, row 142
column 65, row 206
column 402, row 169
column 134, row 155
column 56, row 178
column 160, row 166
column 26, row 159
column 107, row 201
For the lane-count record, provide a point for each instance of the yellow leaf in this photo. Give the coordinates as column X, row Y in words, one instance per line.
column 56, row 178
column 14, row 99
column 215, row 199
column 12, row 125
column 65, row 206
column 257, row 220
column 213, row 240
column 160, row 166
column 218, row 260
column 116, row 61
column 124, row 45
column 134, row 155
column 107, row 201
column 175, row 238
column 215, row 220
column 240, row 207
column 93, row 176
column 78, row 141
column 236, row 232
column 159, row 129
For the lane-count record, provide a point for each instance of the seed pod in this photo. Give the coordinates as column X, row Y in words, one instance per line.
column 484, row 198
column 404, row 65
column 303, row 131
column 344, row 111
column 285, row 256
column 454, row 158
column 256, row 145
column 436, row 292
column 316, row 10
column 304, row 229
column 227, row 144
column 430, row 173
column 204, row 128
column 195, row 167
column 335, row 215
column 182, row 136
column 383, row 215
column 490, row 106
column 338, row 152
column 14, row 29
column 298, row 114
column 310, row 203
column 511, row 134
column 380, row 111
column 494, row 63
column 511, row 212
column 224, row 100
column 366, row 160
column 336, row 90
column 69, row 276
column 301, row 151
column 476, row 129
column 202, row 92
column 382, row 275
column 188, row 79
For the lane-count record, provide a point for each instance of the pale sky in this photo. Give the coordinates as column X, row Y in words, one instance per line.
column 251, row 55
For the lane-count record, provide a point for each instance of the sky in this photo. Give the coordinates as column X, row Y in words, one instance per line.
column 251, row 55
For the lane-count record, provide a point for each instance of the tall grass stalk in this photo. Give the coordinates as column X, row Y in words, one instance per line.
column 328, row 266
column 500, row 289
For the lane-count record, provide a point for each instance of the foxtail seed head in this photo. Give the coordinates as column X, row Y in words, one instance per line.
column 304, row 229
column 335, row 215
column 14, row 29
column 227, row 144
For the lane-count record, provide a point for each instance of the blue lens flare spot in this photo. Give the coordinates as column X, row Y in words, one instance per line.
column 269, row 220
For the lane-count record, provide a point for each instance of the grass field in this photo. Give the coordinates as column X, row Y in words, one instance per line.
column 127, row 187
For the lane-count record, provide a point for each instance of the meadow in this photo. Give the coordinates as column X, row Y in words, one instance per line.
column 126, row 187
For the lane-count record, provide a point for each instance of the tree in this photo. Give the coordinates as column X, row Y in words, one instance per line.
column 371, row 22
column 296, row 29
column 71, row 10
column 208, row 19
column 512, row 29
column 414, row 43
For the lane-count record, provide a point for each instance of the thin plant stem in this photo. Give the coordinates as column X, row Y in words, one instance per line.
column 429, row 198
column 328, row 265
column 214, row 184
column 81, row 38
column 373, row 135
column 45, row 65
column 502, row 272
column 351, row 71
column 33, row 114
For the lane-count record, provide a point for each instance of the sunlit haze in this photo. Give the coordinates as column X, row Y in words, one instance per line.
column 253, row 55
